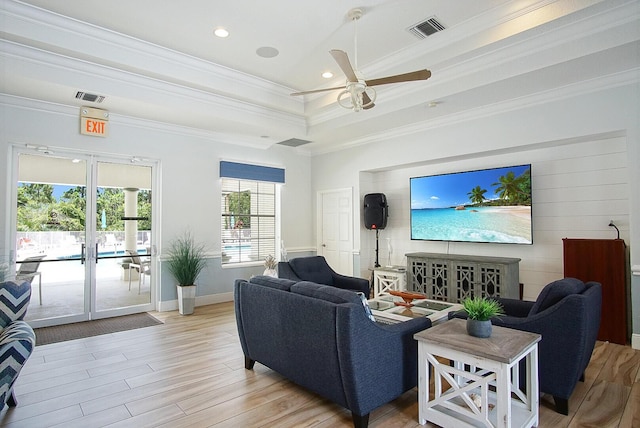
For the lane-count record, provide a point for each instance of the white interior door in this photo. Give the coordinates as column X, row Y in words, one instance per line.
column 335, row 221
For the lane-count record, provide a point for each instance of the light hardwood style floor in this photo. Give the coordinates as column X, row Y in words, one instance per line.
column 189, row 372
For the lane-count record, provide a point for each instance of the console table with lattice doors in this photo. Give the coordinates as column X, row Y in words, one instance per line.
column 454, row 277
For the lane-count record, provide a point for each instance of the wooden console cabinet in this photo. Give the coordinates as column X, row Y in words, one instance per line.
column 454, row 277
column 603, row 261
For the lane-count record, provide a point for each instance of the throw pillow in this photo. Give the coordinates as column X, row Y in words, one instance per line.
column 365, row 304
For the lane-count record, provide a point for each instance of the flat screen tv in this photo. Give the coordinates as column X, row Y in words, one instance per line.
column 489, row 205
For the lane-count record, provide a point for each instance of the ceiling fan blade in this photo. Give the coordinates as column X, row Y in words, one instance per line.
column 343, row 61
column 366, row 100
column 317, row 90
column 407, row 77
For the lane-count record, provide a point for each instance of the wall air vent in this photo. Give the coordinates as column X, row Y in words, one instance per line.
column 92, row 98
column 426, row 28
column 294, row 142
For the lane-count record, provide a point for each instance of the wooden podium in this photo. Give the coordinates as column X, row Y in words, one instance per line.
column 603, row 261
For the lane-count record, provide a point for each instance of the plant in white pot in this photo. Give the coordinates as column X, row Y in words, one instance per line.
column 270, row 264
column 185, row 260
column 479, row 311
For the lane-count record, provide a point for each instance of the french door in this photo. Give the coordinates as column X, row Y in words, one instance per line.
column 84, row 236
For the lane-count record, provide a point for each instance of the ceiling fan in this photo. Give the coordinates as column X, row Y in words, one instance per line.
column 359, row 93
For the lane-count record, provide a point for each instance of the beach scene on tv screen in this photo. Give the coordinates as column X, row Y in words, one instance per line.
column 492, row 205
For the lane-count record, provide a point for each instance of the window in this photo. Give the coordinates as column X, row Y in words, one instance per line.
column 249, row 206
column 248, row 220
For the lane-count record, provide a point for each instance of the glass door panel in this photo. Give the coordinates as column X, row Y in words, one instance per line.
column 123, row 236
column 50, row 236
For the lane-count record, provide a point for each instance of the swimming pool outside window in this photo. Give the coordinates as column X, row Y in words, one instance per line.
column 248, row 220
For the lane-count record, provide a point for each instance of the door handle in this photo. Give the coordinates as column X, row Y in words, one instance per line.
column 82, row 248
column 96, row 253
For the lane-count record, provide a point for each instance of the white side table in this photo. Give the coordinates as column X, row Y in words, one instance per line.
column 484, row 377
column 389, row 278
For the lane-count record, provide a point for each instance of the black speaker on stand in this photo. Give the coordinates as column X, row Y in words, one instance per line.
column 376, row 212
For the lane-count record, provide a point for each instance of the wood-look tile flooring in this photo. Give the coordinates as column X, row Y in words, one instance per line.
column 189, row 372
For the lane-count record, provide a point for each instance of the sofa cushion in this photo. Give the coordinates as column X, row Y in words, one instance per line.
column 333, row 294
column 326, row 292
column 269, row 281
column 554, row 292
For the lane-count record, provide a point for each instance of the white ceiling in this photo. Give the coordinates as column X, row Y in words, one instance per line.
column 158, row 60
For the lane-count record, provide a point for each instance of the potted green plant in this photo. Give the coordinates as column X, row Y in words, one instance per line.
column 185, row 261
column 479, row 311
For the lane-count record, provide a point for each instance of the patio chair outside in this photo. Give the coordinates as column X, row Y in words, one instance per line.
column 143, row 267
column 29, row 269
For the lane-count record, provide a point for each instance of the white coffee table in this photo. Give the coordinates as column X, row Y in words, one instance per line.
column 385, row 309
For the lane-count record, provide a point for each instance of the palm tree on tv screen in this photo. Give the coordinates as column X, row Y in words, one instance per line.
column 476, row 195
column 513, row 189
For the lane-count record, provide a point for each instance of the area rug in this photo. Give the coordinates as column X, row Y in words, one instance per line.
column 79, row 330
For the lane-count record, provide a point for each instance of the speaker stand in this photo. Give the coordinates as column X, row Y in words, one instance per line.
column 377, row 265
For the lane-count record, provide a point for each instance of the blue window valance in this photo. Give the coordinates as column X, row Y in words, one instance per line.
column 245, row 171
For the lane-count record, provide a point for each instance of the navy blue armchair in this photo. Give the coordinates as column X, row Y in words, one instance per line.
column 567, row 315
column 316, row 269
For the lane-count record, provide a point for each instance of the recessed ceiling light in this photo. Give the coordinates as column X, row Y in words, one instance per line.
column 221, row 32
column 327, row 75
column 267, row 52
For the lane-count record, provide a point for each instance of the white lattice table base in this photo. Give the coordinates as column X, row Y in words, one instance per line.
column 385, row 279
column 480, row 388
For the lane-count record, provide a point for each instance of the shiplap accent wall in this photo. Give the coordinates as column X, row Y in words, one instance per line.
column 578, row 187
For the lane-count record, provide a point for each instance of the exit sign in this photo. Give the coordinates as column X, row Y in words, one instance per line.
column 94, row 121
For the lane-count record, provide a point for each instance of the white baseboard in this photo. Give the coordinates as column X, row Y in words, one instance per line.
column 210, row 299
column 635, row 341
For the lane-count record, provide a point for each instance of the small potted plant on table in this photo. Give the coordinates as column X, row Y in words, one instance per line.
column 479, row 311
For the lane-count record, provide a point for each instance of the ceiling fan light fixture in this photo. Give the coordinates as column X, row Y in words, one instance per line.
column 356, row 97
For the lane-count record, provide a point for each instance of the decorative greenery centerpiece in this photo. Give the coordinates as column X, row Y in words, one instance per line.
column 186, row 259
column 480, row 310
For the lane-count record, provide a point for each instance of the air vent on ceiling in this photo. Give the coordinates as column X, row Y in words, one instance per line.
column 426, row 28
column 294, row 142
column 92, row 98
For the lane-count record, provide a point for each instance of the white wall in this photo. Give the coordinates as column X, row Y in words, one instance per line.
column 577, row 189
column 583, row 147
column 189, row 178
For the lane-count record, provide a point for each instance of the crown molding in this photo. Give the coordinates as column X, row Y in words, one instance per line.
column 626, row 78
column 33, row 105
column 605, row 25
column 76, row 38
column 72, row 70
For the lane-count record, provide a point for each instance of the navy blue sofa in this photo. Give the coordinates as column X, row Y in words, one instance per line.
column 322, row 338
column 316, row 269
column 567, row 315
